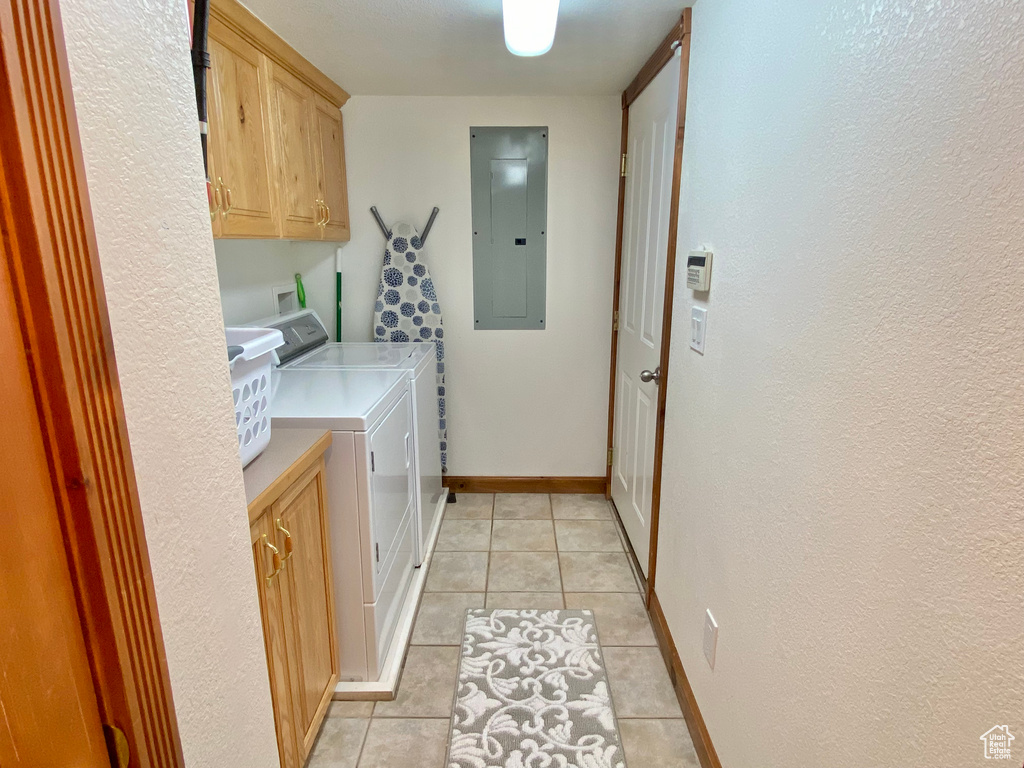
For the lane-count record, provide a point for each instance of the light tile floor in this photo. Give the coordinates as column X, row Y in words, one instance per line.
column 516, row 551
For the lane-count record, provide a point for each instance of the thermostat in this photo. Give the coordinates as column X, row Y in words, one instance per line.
column 698, row 270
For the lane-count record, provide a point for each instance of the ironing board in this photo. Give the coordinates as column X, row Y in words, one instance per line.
column 407, row 309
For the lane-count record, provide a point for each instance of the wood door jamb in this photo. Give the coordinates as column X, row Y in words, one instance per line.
column 48, row 239
column 624, row 146
column 662, row 55
column 670, row 282
column 678, row 37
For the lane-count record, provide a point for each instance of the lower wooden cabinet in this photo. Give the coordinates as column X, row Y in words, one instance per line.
column 291, row 551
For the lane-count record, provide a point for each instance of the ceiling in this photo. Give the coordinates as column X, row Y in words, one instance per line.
column 456, row 47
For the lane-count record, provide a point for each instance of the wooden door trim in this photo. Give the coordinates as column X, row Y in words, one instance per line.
column 662, row 55
column 670, row 284
column 617, row 283
column 678, row 37
column 47, row 232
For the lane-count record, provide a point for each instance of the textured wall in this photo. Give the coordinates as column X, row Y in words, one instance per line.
column 844, row 471
column 519, row 402
column 132, row 84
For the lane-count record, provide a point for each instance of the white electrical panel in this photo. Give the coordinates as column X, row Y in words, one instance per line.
column 698, row 270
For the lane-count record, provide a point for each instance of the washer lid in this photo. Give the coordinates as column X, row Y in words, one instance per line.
column 339, row 399
column 357, row 354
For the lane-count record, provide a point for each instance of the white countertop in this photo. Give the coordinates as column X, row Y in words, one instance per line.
column 286, row 447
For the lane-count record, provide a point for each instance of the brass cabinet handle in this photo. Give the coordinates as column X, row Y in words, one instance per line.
column 328, row 219
column 288, row 546
column 215, row 194
column 227, row 198
column 277, row 561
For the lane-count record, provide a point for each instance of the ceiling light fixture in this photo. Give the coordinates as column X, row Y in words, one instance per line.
column 529, row 25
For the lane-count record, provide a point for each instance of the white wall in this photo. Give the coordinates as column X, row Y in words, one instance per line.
column 524, row 403
column 133, row 92
column 844, row 467
column 249, row 270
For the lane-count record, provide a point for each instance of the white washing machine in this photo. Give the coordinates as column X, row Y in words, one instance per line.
column 371, row 496
column 307, row 347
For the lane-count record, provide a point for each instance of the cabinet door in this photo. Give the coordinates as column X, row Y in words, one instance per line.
column 214, row 199
column 279, row 664
column 237, row 113
column 292, row 129
column 332, row 183
column 301, row 515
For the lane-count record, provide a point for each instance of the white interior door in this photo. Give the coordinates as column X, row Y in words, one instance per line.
column 651, row 153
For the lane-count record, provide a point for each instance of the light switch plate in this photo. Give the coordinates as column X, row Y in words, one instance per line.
column 698, row 328
column 710, row 638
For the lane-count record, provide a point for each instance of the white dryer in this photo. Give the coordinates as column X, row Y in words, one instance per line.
column 371, row 496
column 307, row 347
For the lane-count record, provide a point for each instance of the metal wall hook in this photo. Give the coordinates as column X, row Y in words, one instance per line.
column 380, row 223
column 430, row 223
column 387, row 232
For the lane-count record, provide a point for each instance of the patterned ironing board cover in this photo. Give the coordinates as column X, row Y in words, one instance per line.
column 407, row 309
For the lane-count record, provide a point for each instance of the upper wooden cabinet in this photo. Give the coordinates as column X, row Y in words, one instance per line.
column 276, row 150
column 331, row 157
column 294, row 135
column 238, row 139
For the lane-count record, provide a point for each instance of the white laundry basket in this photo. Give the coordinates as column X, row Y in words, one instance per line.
column 250, row 361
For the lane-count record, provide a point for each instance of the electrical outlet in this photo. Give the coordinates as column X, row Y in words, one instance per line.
column 710, row 638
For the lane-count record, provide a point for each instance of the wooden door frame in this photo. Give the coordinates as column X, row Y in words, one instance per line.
column 678, row 37
column 47, row 237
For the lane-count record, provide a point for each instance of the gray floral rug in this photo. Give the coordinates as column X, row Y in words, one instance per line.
column 532, row 693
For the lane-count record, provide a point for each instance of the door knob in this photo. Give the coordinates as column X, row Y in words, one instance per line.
column 654, row 375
